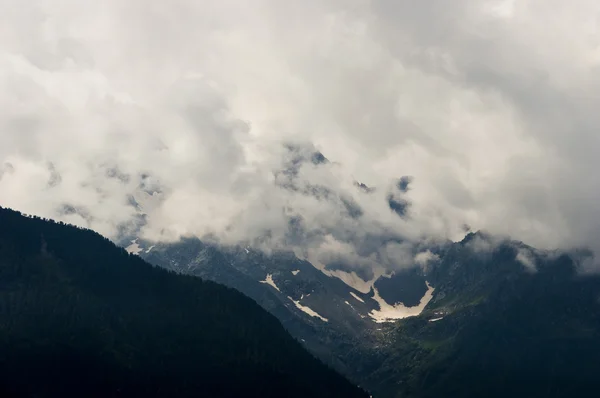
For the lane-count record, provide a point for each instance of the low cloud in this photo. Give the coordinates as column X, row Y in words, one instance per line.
column 525, row 257
column 425, row 259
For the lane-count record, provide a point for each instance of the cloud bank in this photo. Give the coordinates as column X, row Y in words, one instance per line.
column 217, row 109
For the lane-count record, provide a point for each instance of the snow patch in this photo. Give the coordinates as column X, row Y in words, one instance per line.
column 349, row 278
column 150, row 248
column 269, row 281
column 356, row 297
column 307, row 310
column 436, row 319
column 134, row 247
column 352, row 279
column 389, row 313
column 296, row 272
column 351, row 306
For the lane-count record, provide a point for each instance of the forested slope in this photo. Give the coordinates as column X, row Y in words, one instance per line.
column 81, row 317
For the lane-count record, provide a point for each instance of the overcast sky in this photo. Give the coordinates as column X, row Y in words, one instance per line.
column 492, row 106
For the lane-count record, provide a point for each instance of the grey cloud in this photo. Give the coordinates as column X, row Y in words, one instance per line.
column 493, row 114
column 526, row 258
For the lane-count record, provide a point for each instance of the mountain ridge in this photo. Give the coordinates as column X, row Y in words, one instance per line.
column 81, row 316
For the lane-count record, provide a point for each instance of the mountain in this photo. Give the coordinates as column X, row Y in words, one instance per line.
column 319, row 310
column 418, row 331
column 334, row 309
column 489, row 317
column 340, row 324
column 81, row 317
column 497, row 326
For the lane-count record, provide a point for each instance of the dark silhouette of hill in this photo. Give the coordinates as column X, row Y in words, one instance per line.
column 81, row 317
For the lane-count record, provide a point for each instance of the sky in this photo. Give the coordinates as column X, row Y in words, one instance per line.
column 489, row 106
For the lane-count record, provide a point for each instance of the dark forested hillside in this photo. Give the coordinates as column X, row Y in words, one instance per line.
column 494, row 329
column 81, row 317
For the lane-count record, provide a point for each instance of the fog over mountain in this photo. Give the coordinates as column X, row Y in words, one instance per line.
column 347, row 130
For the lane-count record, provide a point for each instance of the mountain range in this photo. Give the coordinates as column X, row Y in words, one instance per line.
column 487, row 312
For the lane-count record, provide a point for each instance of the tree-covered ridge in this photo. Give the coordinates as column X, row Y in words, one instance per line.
column 494, row 329
column 81, row 317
